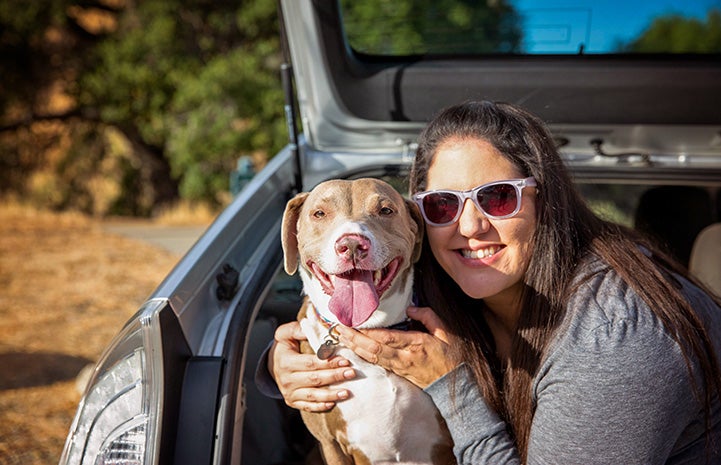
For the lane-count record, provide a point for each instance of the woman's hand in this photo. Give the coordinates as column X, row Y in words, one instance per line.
column 303, row 379
column 419, row 357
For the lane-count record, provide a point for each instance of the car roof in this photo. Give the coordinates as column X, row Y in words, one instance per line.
column 658, row 108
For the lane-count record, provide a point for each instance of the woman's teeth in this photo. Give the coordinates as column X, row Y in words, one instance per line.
column 481, row 253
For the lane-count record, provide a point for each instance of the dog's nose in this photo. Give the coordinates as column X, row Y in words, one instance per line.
column 352, row 247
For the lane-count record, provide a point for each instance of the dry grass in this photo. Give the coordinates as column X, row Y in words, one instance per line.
column 66, row 288
column 185, row 213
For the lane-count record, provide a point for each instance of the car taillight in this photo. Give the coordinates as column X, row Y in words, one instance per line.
column 118, row 418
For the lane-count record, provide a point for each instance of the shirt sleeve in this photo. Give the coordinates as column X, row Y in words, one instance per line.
column 263, row 381
column 479, row 435
column 618, row 391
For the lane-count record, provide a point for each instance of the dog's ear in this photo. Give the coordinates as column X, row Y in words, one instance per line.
column 420, row 225
column 289, row 232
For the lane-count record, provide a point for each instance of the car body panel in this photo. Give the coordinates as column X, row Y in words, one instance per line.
column 234, row 238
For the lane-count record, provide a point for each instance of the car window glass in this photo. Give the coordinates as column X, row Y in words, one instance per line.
column 532, row 27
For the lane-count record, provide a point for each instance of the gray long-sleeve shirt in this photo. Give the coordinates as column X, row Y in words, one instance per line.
column 613, row 389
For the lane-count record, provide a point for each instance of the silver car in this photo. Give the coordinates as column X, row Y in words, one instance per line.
column 638, row 124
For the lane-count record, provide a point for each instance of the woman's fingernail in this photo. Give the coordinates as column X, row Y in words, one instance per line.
column 349, row 374
column 343, row 363
column 342, row 394
column 339, row 329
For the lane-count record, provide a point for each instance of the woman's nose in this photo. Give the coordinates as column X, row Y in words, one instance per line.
column 472, row 221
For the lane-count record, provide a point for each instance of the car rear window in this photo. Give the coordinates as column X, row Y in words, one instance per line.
column 532, row 27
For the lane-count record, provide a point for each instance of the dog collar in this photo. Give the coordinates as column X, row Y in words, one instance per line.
column 404, row 325
column 323, row 320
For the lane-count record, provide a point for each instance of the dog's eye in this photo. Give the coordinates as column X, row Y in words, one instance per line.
column 319, row 214
column 385, row 211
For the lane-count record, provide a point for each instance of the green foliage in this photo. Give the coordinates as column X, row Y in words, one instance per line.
column 21, row 18
column 187, row 86
column 200, row 84
column 136, row 73
column 677, row 34
column 431, row 26
column 231, row 108
column 24, row 51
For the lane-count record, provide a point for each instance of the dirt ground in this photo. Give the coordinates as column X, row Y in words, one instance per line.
column 66, row 288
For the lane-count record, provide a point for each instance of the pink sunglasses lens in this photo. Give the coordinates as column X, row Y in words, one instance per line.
column 498, row 200
column 440, row 207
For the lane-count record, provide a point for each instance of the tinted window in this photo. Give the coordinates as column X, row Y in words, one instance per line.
column 409, row 27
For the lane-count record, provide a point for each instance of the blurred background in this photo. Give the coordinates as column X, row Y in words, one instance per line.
column 123, row 107
column 114, row 115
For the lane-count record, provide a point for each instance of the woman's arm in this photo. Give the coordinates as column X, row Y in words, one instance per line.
column 480, row 436
column 304, row 380
column 419, row 357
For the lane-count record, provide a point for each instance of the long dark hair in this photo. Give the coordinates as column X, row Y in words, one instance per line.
column 567, row 233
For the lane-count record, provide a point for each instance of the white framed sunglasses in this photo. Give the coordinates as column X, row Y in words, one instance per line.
column 497, row 200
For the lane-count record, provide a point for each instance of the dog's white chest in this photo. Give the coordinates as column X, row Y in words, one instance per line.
column 387, row 417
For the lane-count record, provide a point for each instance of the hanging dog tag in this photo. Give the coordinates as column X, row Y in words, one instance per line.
column 327, row 349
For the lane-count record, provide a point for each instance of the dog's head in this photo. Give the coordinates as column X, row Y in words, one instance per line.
column 355, row 242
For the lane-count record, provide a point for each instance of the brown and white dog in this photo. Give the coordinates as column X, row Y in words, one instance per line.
column 355, row 243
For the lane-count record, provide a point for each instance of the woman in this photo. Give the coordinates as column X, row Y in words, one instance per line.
column 553, row 335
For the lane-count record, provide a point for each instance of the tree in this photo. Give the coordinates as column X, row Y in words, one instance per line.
column 41, row 48
column 195, row 81
column 410, row 27
column 164, row 99
column 677, row 34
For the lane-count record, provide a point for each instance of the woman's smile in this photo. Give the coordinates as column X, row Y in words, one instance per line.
column 482, row 253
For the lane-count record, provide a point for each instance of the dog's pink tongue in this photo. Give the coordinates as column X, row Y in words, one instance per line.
column 354, row 298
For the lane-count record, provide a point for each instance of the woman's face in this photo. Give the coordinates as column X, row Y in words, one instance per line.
column 486, row 257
